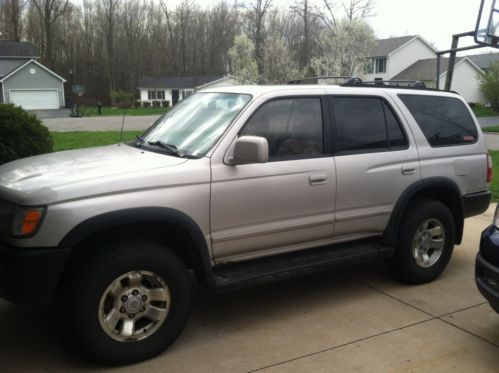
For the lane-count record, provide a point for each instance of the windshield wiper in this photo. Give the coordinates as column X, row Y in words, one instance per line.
column 171, row 148
column 139, row 140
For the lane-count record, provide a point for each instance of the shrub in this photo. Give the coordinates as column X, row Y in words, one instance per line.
column 489, row 84
column 147, row 104
column 21, row 134
column 120, row 97
column 165, row 103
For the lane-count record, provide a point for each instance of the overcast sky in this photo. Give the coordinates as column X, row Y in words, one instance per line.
column 435, row 20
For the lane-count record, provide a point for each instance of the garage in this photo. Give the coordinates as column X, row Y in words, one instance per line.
column 35, row 99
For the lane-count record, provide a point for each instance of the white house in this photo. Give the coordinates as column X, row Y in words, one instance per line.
column 465, row 79
column 168, row 90
column 388, row 57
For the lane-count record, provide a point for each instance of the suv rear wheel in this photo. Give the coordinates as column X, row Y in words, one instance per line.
column 127, row 302
column 425, row 242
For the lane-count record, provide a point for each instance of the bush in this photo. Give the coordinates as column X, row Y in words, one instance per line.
column 489, row 84
column 121, row 97
column 21, row 134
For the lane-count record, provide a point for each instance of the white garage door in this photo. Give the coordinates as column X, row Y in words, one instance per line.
column 35, row 100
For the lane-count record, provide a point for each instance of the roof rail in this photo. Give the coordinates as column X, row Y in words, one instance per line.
column 315, row 79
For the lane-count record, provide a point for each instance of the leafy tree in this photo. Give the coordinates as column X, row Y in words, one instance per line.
column 489, row 84
column 241, row 58
column 279, row 67
column 21, row 134
column 344, row 48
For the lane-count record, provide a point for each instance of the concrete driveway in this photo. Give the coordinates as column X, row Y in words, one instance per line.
column 104, row 123
column 355, row 319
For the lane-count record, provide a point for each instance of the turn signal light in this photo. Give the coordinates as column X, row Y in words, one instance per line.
column 31, row 221
column 489, row 168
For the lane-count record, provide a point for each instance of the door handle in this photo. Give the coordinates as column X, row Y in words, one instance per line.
column 318, row 179
column 408, row 170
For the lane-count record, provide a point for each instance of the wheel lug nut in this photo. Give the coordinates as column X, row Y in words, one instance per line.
column 124, row 298
column 131, row 315
column 144, row 298
column 135, row 292
column 142, row 309
column 122, row 310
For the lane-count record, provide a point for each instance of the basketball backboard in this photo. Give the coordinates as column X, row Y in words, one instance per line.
column 487, row 26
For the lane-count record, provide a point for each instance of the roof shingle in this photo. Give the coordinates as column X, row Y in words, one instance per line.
column 17, row 49
column 384, row 47
column 177, row 81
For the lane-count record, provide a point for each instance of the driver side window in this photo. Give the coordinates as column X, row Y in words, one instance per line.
column 292, row 127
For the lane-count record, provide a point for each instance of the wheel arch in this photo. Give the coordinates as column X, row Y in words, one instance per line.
column 186, row 237
column 438, row 188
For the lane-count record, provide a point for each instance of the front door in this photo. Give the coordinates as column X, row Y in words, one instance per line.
column 283, row 205
column 175, row 94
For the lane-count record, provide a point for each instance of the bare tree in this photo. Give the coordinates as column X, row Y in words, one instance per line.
column 257, row 11
column 49, row 11
column 11, row 26
column 358, row 9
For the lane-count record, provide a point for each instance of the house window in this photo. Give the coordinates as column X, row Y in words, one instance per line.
column 368, row 68
column 380, row 65
column 156, row 95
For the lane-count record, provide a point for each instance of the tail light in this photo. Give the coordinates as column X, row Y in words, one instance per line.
column 489, row 168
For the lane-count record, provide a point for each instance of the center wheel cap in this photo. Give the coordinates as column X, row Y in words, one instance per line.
column 133, row 304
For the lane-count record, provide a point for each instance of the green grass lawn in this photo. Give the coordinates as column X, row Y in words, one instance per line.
column 91, row 111
column 77, row 140
column 494, row 186
column 491, row 129
column 482, row 111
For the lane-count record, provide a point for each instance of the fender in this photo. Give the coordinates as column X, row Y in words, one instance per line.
column 454, row 196
column 139, row 215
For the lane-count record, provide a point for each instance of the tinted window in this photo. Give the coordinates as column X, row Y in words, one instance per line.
column 443, row 120
column 360, row 123
column 292, row 127
column 396, row 137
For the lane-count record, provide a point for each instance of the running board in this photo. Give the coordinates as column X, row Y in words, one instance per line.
column 235, row 276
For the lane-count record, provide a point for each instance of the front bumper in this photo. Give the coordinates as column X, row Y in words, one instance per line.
column 487, row 267
column 30, row 276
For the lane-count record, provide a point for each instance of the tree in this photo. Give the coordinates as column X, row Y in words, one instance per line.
column 279, row 67
column 344, row 49
column 489, row 84
column 241, row 59
column 11, row 19
column 256, row 14
column 49, row 11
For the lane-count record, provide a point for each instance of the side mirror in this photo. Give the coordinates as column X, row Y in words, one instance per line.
column 250, row 149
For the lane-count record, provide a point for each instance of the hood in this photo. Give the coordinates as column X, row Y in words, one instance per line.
column 50, row 174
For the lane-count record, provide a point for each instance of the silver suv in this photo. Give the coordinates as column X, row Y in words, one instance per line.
column 239, row 186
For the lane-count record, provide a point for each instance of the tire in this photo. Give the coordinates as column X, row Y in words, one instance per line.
column 97, row 317
column 427, row 228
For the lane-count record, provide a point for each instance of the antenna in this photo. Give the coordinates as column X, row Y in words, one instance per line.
column 122, row 125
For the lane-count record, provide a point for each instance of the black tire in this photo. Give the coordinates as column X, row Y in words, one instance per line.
column 404, row 264
column 81, row 299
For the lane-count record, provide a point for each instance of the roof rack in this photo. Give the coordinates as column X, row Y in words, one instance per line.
column 315, row 79
column 387, row 83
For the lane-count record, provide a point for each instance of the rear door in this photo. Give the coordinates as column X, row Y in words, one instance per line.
column 376, row 161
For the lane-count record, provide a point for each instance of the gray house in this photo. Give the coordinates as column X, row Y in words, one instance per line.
column 26, row 82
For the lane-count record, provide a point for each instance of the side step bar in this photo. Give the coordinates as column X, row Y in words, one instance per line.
column 235, row 276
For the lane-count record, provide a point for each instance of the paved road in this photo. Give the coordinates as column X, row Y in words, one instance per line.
column 488, row 122
column 104, row 123
column 355, row 319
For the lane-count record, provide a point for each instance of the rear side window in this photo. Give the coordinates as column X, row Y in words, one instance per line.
column 366, row 124
column 444, row 121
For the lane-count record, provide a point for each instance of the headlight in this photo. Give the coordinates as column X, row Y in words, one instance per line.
column 19, row 221
column 496, row 217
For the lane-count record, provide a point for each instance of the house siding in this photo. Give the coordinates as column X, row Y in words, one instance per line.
column 23, row 80
column 402, row 58
column 9, row 64
column 465, row 82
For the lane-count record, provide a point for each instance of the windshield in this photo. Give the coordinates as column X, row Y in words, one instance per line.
column 193, row 126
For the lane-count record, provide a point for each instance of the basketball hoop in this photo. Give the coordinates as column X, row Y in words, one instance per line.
column 487, row 25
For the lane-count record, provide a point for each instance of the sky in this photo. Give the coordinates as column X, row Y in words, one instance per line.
column 434, row 20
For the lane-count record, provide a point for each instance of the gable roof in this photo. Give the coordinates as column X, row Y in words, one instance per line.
column 177, row 81
column 17, row 49
column 483, row 61
column 26, row 64
column 426, row 70
column 384, row 47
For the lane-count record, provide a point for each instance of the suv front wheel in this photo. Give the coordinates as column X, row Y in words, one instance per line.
column 425, row 242
column 127, row 302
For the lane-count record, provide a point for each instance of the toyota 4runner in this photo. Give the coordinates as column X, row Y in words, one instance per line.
column 240, row 186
